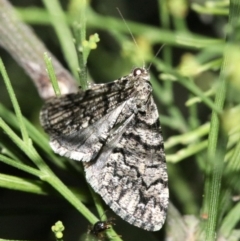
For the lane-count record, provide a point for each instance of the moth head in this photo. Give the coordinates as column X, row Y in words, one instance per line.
column 141, row 73
column 142, row 86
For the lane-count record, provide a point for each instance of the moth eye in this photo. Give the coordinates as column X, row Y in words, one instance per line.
column 137, row 72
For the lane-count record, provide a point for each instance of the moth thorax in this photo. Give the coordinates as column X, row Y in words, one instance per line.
column 143, row 89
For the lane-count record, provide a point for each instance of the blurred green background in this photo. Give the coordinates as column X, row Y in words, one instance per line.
column 191, row 35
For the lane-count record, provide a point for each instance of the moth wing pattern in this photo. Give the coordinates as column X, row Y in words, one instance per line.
column 131, row 175
column 115, row 130
column 80, row 123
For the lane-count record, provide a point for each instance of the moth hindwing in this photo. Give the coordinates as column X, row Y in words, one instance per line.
column 114, row 130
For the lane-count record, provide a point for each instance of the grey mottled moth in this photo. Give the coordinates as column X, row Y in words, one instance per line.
column 114, row 130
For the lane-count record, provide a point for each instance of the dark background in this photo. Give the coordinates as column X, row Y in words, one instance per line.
column 28, row 216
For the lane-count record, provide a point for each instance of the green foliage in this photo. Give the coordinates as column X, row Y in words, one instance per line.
column 58, row 229
column 51, row 74
column 203, row 132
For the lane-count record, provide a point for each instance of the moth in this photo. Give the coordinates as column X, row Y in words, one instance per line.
column 114, row 130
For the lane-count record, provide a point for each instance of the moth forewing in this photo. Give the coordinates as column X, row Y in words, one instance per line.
column 115, row 128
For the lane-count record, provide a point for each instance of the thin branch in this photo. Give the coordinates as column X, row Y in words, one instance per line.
column 25, row 47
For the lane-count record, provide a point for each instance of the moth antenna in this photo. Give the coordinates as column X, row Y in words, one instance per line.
column 129, row 30
column 158, row 52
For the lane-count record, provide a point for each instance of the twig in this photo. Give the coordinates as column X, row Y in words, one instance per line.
column 25, row 47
